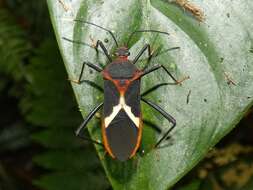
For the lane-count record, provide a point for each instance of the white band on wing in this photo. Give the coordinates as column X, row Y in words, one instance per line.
column 117, row 108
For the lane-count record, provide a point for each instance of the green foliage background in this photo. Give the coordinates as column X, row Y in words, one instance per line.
column 209, row 51
column 38, row 149
column 33, row 74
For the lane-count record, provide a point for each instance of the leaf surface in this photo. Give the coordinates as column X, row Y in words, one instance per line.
column 216, row 54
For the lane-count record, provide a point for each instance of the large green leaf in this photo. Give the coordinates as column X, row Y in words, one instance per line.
column 211, row 53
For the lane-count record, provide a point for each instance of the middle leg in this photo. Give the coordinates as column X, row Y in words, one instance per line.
column 146, row 47
column 156, row 67
column 100, row 43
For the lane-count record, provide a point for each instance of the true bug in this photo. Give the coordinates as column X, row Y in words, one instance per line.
column 122, row 118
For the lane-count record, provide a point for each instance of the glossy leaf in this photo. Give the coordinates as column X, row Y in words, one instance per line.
column 216, row 54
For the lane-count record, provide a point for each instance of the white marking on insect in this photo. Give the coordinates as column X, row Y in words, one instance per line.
column 122, row 105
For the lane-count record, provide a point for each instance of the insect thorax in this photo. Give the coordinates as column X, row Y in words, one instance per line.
column 124, row 70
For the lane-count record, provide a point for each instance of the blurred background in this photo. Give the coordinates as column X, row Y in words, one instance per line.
column 38, row 149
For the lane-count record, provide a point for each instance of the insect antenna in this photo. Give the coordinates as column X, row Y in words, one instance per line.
column 166, row 50
column 77, row 42
column 139, row 31
column 110, row 32
column 81, row 43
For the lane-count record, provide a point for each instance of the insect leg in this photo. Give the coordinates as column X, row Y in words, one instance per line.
column 83, row 43
column 146, row 47
column 99, row 43
column 166, row 115
column 155, row 88
column 85, row 122
column 164, row 51
column 91, row 65
column 156, row 67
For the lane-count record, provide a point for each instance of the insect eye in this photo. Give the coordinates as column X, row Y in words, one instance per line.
column 128, row 53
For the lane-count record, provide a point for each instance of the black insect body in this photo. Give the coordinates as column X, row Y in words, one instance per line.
column 122, row 118
column 122, row 125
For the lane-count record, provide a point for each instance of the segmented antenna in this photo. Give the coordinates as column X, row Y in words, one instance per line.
column 139, row 31
column 110, row 32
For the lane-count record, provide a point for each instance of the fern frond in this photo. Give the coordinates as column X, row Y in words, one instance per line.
column 14, row 46
column 49, row 103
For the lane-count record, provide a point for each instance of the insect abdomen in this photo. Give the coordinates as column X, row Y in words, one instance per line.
column 122, row 136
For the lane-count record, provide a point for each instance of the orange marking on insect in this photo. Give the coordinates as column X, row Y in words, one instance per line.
column 107, row 146
column 121, row 58
column 105, row 142
column 117, row 82
column 138, row 138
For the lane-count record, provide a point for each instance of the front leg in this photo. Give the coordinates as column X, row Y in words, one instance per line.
column 99, row 43
column 93, row 45
column 156, row 67
column 146, row 47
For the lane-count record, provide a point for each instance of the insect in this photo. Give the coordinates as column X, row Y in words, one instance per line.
column 122, row 118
